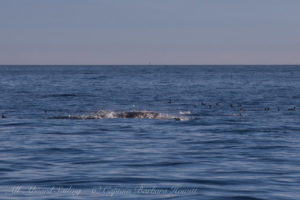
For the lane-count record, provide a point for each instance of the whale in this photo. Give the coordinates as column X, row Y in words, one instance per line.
column 129, row 114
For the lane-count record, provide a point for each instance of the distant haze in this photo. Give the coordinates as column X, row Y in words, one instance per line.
column 143, row 31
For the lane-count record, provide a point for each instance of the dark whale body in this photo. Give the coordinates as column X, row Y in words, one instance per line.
column 138, row 114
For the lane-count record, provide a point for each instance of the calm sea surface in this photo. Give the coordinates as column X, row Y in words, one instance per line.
column 150, row 132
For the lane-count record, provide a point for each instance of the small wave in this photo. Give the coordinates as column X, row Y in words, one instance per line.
column 237, row 114
column 105, row 114
column 185, row 112
column 62, row 95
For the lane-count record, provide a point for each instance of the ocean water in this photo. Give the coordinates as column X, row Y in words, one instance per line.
column 150, row 132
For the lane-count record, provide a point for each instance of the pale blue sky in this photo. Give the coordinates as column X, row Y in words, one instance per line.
column 139, row 31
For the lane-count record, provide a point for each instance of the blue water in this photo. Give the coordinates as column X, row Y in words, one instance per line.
column 237, row 137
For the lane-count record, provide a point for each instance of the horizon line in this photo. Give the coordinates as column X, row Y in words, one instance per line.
column 149, row 64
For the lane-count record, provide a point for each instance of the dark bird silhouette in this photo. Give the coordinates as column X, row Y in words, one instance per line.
column 3, row 116
column 267, row 109
column 209, row 106
column 217, row 104
column 292, row 109
column 170, row 101
column 241, row 109
column 231, row 105
column 278, row 109
column 203, row 104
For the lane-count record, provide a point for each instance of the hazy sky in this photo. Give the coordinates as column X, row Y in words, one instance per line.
column 140, row 31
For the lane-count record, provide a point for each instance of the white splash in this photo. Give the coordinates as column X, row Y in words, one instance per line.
column 185, row 112
column 106, row 114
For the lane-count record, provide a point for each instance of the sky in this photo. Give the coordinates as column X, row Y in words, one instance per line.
column 110, row 32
